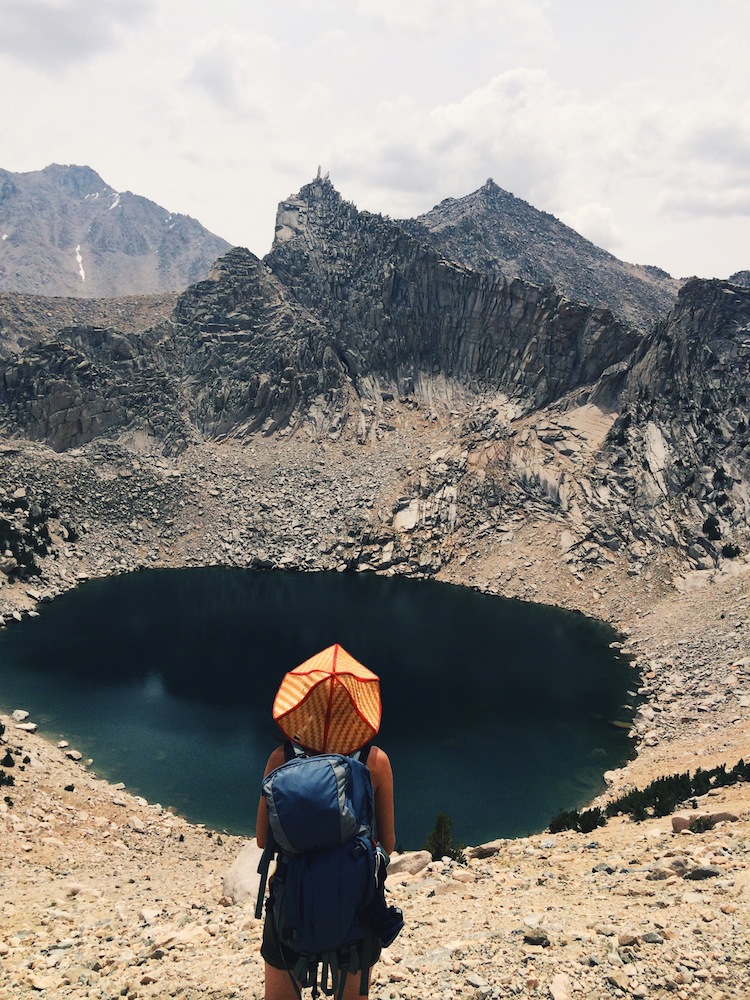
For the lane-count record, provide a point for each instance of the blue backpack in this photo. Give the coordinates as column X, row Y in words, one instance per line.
column 329, row 871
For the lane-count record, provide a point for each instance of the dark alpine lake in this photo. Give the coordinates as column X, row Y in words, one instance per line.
column 498, row 712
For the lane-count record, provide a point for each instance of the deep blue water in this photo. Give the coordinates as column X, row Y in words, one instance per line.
column 497, row 712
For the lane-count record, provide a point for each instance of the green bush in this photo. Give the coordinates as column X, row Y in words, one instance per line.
column 581, row 822
column 566, row 819
column 440, row 842
column 6, row 779
column 664, row 794
column 591, row 819
column 701, row 824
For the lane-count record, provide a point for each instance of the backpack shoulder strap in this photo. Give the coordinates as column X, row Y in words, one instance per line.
column 263, row 865
column 292, row 751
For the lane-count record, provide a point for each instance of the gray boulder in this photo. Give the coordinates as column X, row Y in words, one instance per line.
column 240, row 884
column 411, row 862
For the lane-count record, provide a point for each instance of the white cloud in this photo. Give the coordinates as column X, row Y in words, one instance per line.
column 433, row 15
column 596, row 161
column 696, row 202
column 512, row 130
column 54, row 35
column 224, row 68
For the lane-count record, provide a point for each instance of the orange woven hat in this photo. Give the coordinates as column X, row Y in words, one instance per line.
column 329, row 704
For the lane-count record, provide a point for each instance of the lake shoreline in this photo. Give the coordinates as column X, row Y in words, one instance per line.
column 134, row 704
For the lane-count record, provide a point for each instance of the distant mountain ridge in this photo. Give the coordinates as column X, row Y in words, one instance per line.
column 491, row 229
column 65, row 232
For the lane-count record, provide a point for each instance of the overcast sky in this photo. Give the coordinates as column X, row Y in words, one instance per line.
column 627, row 119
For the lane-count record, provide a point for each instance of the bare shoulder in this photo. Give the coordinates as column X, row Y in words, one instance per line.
column 275, row 760
column 378, row 761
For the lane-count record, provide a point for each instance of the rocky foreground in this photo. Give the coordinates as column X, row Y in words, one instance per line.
column 105, row 895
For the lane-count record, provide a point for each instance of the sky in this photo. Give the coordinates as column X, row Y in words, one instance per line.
column 629, row 120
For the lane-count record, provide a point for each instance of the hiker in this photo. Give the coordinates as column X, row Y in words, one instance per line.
column 329, row 705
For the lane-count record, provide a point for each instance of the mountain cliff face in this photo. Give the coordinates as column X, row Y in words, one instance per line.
column 683, row 424
column 403, row 314
column 631, row 438
column 63, row 231
column 249, row 357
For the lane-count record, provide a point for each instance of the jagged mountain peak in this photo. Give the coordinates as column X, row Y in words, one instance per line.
column 79, row 179
column 491, row 229
column 315, row 204
column 488, row 230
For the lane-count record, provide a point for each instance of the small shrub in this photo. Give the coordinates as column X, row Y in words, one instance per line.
column 701, row 824
column 581, row 822
column 701, row 782
column 440, row 842
column 730, row 551
column 591, row 819
column 664, row 794
column 566, row 819
column 720, row 776
column 711, row 528
column 6, row 779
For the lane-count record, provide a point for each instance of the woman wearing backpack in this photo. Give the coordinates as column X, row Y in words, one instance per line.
column 328, row 705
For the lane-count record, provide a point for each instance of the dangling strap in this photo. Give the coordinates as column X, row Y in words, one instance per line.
column 327, row 969
column 300, row 974
column 342, row 983
column 292, row 750
column 364, row 977
column 263, row 865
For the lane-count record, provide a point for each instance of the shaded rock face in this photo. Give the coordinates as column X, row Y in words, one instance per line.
column 66, row 232
column 235, row 357
column 24, row 534
column 251, row 359
column 90, row 382
column 491, row 230
column 400, row 312
column 684, row 423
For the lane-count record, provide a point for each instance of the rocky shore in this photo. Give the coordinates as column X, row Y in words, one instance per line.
column 106, row 895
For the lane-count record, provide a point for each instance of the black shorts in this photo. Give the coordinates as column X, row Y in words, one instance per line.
column 274, row 952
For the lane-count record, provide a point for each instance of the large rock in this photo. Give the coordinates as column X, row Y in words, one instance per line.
column 241, row 882
column 410, row 863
